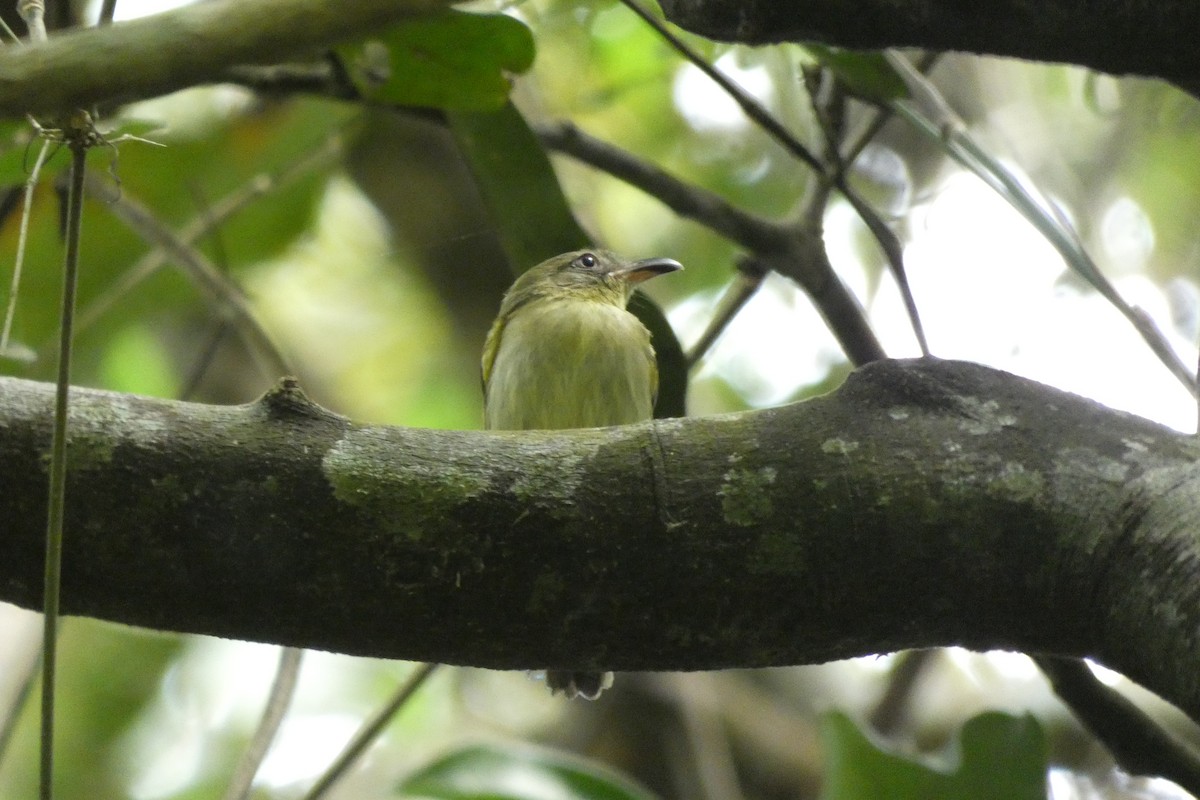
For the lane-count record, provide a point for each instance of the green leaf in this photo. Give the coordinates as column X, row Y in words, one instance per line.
column 518, row 184
column 451, row 60
column 1001, row 757
column 18, row 151
column 534, row 222
column 866, row 73
column 495, row 772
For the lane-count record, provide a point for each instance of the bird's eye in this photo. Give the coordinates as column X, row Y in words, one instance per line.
column 586, row 261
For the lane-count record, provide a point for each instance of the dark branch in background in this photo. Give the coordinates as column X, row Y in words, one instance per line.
column 750, row 275
column 829, row 172
column 750, row 106
column 80, row 133
column 891, row 711
column 258, row 186
column 1136, row 741
column 108, row 8
column 203, row 273
column 320, row 78
column 369, row 732
column 800, row 257
column 1141, row 37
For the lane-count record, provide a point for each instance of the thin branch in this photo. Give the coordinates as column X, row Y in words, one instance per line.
column 199, row 269
column 283, row 688
column 891, row 711
column 828, row 98
column 10, row 32
column 11, row 312
column 52, row 577
column 1138, row 744
column 750, row 107
column 929, row 113
column 369, row 732
column 213, row 217
column 893, row 254
column 29, row 675
column 33, row 13
column 799, row 256
column 107, row 10
column 750, row 275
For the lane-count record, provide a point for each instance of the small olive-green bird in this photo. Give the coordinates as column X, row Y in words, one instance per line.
column 565, row 353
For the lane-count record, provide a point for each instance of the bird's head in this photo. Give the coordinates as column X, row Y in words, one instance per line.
column 597, row 275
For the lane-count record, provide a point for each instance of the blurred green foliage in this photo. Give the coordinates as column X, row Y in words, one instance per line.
column 999, row 757
column 451, row 60
column 490, row 772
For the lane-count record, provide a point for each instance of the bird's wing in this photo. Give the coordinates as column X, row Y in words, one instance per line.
column 653, row 377
column 491, row 346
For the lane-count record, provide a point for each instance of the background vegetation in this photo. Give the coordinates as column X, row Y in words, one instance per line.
column 363, row 218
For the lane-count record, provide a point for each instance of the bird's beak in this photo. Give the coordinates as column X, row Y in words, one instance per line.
column 646, row 269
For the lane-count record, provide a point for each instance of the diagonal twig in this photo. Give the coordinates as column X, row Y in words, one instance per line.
column 283, row 688
column 199, row 269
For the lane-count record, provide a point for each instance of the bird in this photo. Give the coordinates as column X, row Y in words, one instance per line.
column 564, row 352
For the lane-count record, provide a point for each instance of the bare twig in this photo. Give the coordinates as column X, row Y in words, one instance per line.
column 33, row 12
column 890, row 244
column 828, row 98
column 891, row 711
column 199, row 269
column 29, row 672
column 283, row 688
column 751, row 107
column 11, row 312
column 369, row 732
column 1139, row 745
column 750, row 275
column 213, row 217
column 79, row 142
column 107, row 9
column 798, row 255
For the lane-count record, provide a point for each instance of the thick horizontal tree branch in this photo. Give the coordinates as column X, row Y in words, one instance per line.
column 1141, row 37
column 923, row 503
column 175, row 49
column 199, row 43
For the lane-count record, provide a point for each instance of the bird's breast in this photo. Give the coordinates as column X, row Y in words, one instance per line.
column 571, row 364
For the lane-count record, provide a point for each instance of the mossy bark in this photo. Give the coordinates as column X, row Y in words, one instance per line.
column 923, row 503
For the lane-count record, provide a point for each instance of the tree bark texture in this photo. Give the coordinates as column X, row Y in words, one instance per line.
column 923, row 503
column 200, row 43
column 1142, row 37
